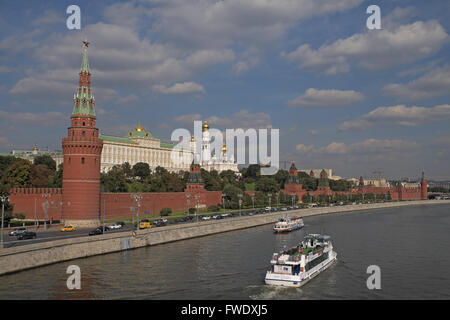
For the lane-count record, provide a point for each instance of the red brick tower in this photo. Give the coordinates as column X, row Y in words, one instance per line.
column 292, row 184
column 82, row 154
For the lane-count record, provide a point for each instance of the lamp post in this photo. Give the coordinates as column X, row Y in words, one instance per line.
column 253, row 201
column 278, row 200
column 45, row 207
column 270, row 199
column 223, row 201
column 4, row 199
column 197, row 196
column 187, row 203
column 240, row 203
column 138, row 199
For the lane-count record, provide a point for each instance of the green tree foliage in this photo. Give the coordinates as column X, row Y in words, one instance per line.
column 39, row 176
column 17, row 175
column 114, row 180
column 267, row 184
column 165, row 212
column 47, row 161
column 140, row 170
column 231, row 196
column 339, row 185
column 56, row 179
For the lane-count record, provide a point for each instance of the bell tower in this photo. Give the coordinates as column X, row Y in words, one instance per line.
column 82, row 150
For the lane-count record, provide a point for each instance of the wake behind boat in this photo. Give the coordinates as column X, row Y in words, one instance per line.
column 288, row 224
column 296, row 266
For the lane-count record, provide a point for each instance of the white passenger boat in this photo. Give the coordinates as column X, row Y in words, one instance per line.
column 296, row 266
column 288, row 224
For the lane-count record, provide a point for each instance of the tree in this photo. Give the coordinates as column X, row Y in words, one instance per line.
column 165, row 212
column 267, row 184
column 39, row 176
column 141, row 170
column 45, row 160
column 56, row 179
column 232, row 199
column 17, row 175
column 114, row 180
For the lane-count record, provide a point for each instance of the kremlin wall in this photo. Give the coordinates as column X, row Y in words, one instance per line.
column 81, row 203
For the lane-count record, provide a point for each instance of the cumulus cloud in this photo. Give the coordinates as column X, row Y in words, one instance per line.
column 365, row 147
column 373, row 50
column 47, row 119
column 259, row 23
column 326, row 98
column 242, row 119
column 399, row 115
column 180, row 88
column 434, row 83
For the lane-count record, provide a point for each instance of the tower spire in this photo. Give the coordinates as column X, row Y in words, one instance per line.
column 83, row 102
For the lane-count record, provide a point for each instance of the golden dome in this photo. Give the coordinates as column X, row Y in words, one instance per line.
column 139, row 127
column 35, row 148
column 192, row 139
column 205, row 126
column 224, row 148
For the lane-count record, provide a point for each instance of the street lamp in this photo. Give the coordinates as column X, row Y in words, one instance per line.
column 4, row 199
column 187, row 203
column 45, row 207
column 197, row 196
column 138, row 199
column 270, row 199
column 253, row 201
column 223, row 201
column 240, row 203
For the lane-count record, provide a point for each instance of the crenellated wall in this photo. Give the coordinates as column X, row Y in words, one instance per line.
column 117, row 205
column 32, row 200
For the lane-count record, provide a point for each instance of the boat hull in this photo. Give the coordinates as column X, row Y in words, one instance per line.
column 298, row 280
column 281, row 230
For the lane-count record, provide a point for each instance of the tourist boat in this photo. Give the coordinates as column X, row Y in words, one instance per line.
column 288, row 224
column 296, row 266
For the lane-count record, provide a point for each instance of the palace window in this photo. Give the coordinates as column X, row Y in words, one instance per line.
column 82, row 160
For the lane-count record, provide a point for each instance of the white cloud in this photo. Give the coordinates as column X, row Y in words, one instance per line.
column 373, row 50
column 35, row 119
column 242, row 119
column 399, row 115
column 434, row 83
column 180, row 88
column 302, row 148
column 326, row 98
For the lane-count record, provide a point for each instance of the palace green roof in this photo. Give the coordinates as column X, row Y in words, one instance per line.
column 117, row 139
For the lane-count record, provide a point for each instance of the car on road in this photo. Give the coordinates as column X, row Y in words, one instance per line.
column 283, row 209
column 17, row 231
column 26, row 235
column 224, row 215
column 116, row 225
column 206, row 218
column 145, row 224
column 96, row 232
column 160, row 222
column 67, row 228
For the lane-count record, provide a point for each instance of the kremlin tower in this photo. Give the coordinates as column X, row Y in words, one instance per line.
column 82, row 150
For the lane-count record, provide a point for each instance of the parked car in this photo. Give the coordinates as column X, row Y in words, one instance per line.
column 67, row 228
column 144, row 224
column 17, row 231
column 115, row 226
column 160, row 222
column 283, row 209
column 225, row 215
column 206, row 218
column 26, row 235
column 96, row 232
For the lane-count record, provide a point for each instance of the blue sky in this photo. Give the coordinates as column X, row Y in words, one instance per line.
column 343, row 96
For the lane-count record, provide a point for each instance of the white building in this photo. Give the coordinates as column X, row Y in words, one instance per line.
column 219, row 162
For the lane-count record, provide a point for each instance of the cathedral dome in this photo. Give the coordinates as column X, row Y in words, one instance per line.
column 205, row 126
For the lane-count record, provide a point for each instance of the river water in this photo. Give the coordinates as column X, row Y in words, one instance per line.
column 411, row 245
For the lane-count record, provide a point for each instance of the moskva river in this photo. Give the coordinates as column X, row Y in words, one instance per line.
column 409, row 244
